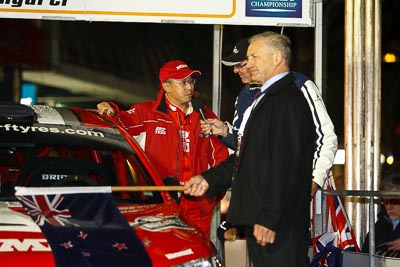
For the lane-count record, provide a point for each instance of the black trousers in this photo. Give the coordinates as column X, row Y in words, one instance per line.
column 289, row 250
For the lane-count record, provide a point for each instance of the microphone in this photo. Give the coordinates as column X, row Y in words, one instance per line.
column 202, row 114
column 198, row 105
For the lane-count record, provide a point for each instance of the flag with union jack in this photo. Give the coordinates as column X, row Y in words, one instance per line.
column 327, row 251
column 83, row 226
column 339, row 237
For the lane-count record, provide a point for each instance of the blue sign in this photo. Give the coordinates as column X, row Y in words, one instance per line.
column 28, row 94
column 274, row 8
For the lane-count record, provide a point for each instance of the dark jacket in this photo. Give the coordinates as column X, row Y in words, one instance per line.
column 383, row 233
column 272, row 184
column 325, row 137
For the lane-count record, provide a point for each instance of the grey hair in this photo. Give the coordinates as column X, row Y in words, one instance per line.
column 391, row 182
column 275, row 42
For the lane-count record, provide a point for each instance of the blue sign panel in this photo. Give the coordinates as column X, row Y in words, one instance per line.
column 274, row 8
column 28, row 94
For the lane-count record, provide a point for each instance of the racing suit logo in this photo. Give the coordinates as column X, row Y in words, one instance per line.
column 160, row 130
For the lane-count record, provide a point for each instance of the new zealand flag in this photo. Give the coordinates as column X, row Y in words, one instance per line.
column 83, row 227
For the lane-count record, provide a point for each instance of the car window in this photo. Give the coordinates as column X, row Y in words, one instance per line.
column 42, row 165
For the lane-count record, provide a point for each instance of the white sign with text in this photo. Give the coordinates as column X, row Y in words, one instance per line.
column 239, row 12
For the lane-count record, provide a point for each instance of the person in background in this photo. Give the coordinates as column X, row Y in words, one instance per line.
column 226, row 131
column 387, row 228
column 325, row 137
column 272, row 165
column 168, row 130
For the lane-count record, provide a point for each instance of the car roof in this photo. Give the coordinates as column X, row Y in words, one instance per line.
column 41, row 126
column 59, row 125
column 43, row 114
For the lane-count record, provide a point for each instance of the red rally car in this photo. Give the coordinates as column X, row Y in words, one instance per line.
column 42, row 146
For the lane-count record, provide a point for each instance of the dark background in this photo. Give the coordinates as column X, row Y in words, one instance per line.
column 136, row 51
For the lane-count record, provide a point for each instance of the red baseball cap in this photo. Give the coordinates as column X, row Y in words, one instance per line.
column 176, row 69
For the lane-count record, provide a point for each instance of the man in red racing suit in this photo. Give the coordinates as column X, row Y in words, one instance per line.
column 168, row 129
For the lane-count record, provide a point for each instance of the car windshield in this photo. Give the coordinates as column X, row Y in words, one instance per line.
column 59, row 155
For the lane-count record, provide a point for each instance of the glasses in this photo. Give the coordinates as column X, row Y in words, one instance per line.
column 184, row 82
column 240, row 65
column 391, row 201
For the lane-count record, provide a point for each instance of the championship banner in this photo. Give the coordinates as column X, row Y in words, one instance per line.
column 240, row 12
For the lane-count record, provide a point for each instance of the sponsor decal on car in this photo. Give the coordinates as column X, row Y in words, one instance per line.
column 157, row 223
column 27, row 244
column 63, row 130
column 178, row 254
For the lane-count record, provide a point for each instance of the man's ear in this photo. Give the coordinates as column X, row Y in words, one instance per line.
column 277, row 57
column 166, row 86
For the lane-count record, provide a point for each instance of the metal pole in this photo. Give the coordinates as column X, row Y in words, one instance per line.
column 358, row 111
column 368, row 99
column 216, row 107
column 348, row 101
column 217, row 51
column 147, row 188
column 320, row 215
column 372, row 113
column 377, row 94
column 371, row 232
column 363, row 193
column 377, row 114
column 318, row 40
